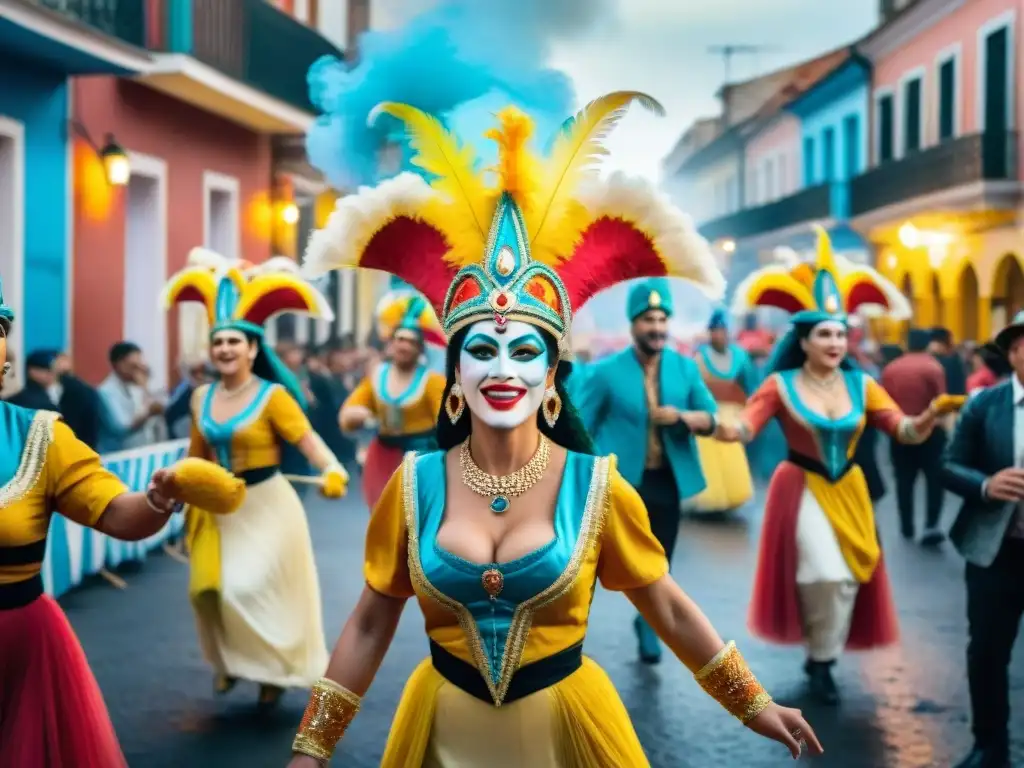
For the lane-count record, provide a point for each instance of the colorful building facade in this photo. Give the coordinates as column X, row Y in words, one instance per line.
column 940, row 202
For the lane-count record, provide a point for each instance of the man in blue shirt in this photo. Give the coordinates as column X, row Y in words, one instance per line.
column 645, row 404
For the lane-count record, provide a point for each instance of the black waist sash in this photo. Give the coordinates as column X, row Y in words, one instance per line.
column 417, row 441
column 815, row 466
column 20, row 593
column 258, row 475
column 527, row 680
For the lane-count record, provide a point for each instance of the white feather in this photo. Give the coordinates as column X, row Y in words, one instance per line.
column 676, row 238
column 357, row 218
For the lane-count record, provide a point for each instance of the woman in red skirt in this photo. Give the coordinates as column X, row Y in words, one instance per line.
column 821, row 578
column 51, row 712
column 401, row 397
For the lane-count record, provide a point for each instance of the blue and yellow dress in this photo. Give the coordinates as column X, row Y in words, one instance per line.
column 730, row 377
column 254, row 583
column 506, row 683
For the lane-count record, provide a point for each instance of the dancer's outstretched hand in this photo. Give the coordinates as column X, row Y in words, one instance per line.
column 787, row 726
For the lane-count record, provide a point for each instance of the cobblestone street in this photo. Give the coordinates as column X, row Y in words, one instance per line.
column 905, row 708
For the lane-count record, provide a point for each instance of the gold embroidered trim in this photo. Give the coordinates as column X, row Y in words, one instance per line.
column 33, row 458
column 522, row 619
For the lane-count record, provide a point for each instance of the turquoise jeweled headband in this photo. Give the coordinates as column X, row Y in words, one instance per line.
column 509, row 285
column 225, row 307
column 653, row 293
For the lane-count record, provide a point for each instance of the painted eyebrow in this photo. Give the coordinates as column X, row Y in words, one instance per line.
column 480, row 338
column 536, row 339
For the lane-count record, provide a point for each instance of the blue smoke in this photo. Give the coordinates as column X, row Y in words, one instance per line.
column 461, row 61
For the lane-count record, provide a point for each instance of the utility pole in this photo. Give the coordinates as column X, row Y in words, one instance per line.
column 728, row 51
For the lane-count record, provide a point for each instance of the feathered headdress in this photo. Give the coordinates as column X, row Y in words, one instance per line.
column 6, row 313
column 404, row 310
column 535, row 246
column 244, row 300
column 830, row 289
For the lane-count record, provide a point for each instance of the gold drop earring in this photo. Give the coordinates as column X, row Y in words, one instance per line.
column 552, row 406
column 455, row 403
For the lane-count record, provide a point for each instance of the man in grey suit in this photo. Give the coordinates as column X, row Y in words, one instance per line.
column 984, row 464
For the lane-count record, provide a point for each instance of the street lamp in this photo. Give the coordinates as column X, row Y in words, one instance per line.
column 115, row 162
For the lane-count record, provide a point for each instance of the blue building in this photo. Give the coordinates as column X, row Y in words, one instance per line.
column 40, row 48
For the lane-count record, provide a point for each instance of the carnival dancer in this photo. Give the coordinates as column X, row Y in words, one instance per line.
column 253, row 583
column 503, row 533
column 821, row 578
column 400, row 398
column 730, row 376
column 52, row 714
column 644, row 404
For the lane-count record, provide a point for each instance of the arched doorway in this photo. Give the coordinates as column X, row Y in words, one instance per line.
column 968, row 290
column 1007, row 290
column 908, row 291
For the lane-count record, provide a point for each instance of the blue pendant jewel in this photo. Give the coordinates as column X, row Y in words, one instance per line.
column 500, row 504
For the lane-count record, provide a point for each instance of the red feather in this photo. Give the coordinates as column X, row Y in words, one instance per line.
column 865, row 293
column 781, row 300
column 413, row 251
column 609, row 251
column 281, row 300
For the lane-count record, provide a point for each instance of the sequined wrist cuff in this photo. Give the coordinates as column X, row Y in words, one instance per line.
column 907, row 433
column 729, row 681
column 330, row 710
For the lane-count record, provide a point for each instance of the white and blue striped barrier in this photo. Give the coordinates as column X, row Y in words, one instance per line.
column 74, row 552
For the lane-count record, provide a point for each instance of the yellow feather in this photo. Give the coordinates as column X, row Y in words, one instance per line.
column 826, row 260
column 452, row 165
column 518, row 168
column 575, row 152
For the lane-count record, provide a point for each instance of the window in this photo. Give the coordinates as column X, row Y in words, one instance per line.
column 947, row 99
column 912, row 115
column 808, row 161
column 851, row 146
column 828, row 148
column 769, row 180
column 996, row 71
column 885, row 128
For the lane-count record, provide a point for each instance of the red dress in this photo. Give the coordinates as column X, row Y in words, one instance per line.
column 820, row 460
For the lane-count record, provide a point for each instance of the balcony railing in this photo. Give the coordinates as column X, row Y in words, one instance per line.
column 966, row 160
column 123, row 19
column 806, row 205
column 249, row 40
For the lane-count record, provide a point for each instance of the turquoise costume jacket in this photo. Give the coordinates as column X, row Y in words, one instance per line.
column 613, row 404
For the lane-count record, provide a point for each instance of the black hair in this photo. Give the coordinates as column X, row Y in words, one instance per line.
column 918, row 340
column 568, row 432
column 121, row 350
column 942, row 335
column 995, row 359
column 788, row 355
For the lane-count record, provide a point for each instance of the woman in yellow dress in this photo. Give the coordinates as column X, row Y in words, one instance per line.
column 253, row 583
column 729, row 373
column 502, row 535
column 401, row 396
column 52, row 714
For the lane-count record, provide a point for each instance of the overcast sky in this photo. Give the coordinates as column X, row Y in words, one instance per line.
column 660, row 46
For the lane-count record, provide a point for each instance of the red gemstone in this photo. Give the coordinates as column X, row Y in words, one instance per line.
column 453, row 401
column 501, row 301
column 499, row 320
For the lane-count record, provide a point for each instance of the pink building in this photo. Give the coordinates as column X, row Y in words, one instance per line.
column 941, row 200
column 773, row 162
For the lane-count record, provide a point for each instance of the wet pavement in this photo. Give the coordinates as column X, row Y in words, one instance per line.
column 902, row 708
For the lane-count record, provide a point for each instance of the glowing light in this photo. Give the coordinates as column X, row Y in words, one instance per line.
column 116, row 165
column 893, row 261
column 910, row 236
column 290, row 213
column 729, row 246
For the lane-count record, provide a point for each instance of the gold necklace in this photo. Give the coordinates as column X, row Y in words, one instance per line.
column 231, row 394
column 823, row 383
column 503, row 488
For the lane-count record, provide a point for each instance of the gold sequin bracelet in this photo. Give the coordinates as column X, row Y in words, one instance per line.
column 331, row 708
column 729, row 681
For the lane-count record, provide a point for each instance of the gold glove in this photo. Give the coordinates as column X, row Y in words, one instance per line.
column 334, row 482
column 944, row 404
column 208, row 486
column 729, row 681
column 331, row 708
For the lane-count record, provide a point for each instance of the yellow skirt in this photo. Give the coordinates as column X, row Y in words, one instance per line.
column 579, row 722
column 726, row 470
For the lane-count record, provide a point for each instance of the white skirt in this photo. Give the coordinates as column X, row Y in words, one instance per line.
column 267, row 626
column 819, row 557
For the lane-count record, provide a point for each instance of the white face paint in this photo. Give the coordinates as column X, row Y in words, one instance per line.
column 503, row 374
